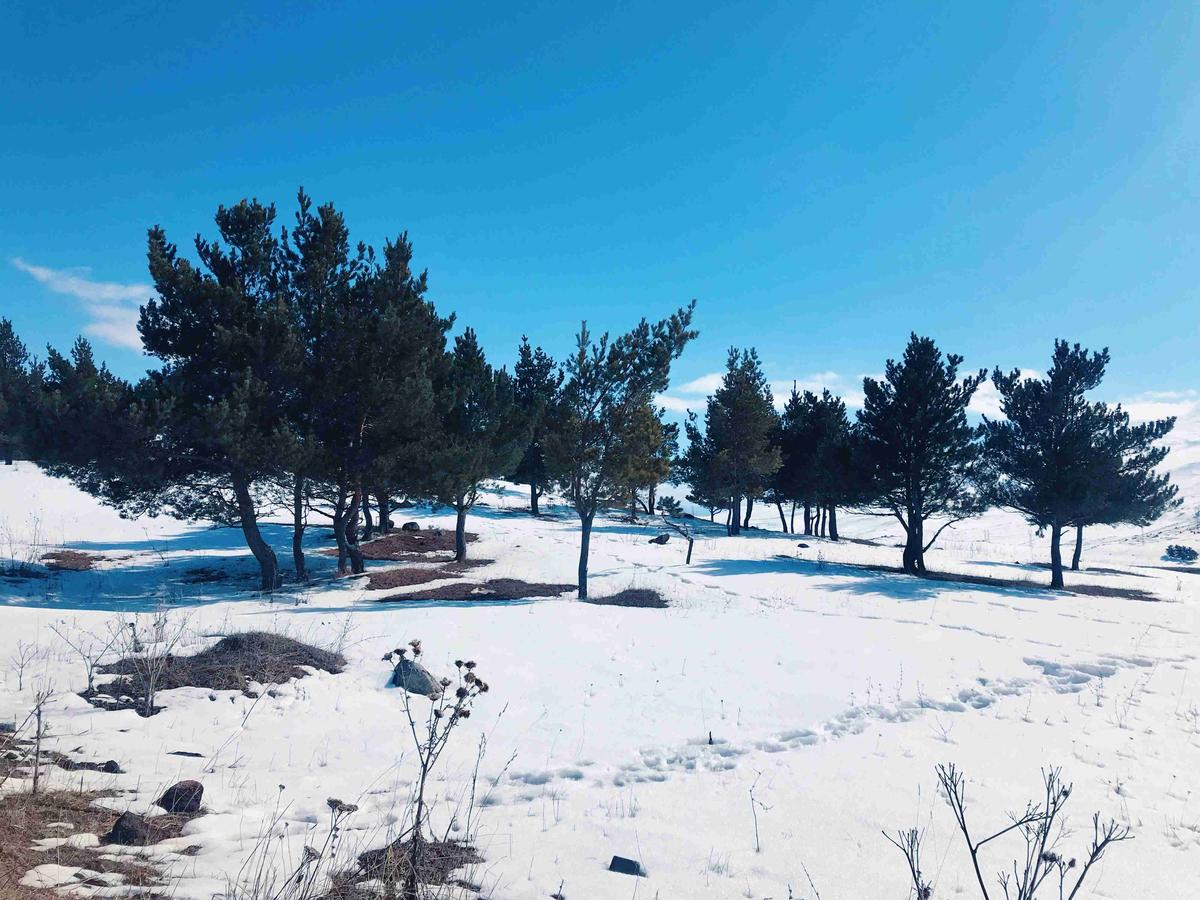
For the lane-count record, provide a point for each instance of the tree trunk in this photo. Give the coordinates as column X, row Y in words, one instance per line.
column 633, row 504
column 792, row 527
column 735, row 517
column 782, row 517
column 533, row 497
column 1078, row 548
column 1056, row 565
column 808, row 523
column 651, row 498
column 357, row 566
column 749, row 511
column 833, row 532
column 298, row 526
column 385, row 511
column 368, row 524
column 913, row 564
column 460, row 531
column 820, row 521
column 585, row 543
column 267, row 563
column 339, row 532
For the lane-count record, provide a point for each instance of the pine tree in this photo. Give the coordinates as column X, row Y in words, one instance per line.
column 209, row 424
column 918, row 455
column 697, row 468
column 605, row 383
column 643, row 454
column 537, row 382
column 740, row 427
column 17, row 386
column 1063, row 461
column 479, row 435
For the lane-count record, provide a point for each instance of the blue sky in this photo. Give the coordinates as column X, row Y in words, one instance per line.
column 822, row 177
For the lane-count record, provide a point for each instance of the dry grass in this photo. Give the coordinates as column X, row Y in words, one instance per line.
column 27, row 818
column 639, row 598
column 388, row 579
column 400, row 545
column 229, row 665
column 495, row 589
column 70, row 560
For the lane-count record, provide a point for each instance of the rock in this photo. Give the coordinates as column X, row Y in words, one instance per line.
column 183, row 797
column 411, row 526
column 660, row 539
column 626, row 866
column 111, row 766
column 414, row 678
column 130, row 830
column 802, row 546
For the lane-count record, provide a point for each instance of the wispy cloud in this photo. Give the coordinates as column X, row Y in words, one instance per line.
column 986, row 400
column 693, row 395
column 111, row 307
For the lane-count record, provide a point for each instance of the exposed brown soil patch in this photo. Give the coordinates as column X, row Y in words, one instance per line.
column 70, row 560
column 388, row 579
column 402, row 544
column 436, row 864
column 495, row 589
column 639, row 598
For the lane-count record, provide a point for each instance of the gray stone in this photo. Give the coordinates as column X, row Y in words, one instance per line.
column 130, row 830
column 414, row 678
column 411, row 526
column 660, row 539
column 183, row 797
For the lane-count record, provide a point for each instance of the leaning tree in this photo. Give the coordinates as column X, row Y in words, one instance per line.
column 606, row 381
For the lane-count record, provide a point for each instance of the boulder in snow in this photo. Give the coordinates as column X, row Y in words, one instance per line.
column 411, row 526
column 415, row 678
column 183, row 797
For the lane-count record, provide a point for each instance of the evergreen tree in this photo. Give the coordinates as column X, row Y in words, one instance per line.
column 697, row 468
column 17, row 385
column 323, row 276
column 213, row 423
column 1063, row 461
column 643, row 454
column 536, row 383
column 605, row 383
column 918, row 455
column 740, row 427
column 479, row 436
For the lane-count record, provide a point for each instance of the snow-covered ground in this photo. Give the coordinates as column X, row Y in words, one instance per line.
column 829, row 689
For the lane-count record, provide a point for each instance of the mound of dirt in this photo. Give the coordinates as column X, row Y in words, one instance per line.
column 386, row 579
column 640, row 598
column 495, row 589
column 401, row 545
column 228, row 665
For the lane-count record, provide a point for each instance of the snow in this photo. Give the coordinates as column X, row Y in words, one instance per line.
column 831, row 689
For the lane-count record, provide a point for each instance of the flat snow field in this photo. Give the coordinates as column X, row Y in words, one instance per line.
column 828, row 689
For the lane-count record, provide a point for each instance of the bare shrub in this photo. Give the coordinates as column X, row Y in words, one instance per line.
column 90, row 646
column 146, row 645
column 1041, row 825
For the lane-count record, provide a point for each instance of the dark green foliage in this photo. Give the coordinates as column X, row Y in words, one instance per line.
column 537, row 382
column 18, row 379
column 698, row 468
column 219, row 400
column 644, row 452
column 372, row 349
column 668, row 506
column 1181, row 553
column 918, row 456
column 479, row 433
column 820, row 464
column 1063, row 461
column 605, row 383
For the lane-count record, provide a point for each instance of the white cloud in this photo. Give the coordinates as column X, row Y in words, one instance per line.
column 986, row 400
column 693, row 395
column 112, row 308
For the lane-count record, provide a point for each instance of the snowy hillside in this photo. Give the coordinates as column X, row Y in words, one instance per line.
column 828, row 689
